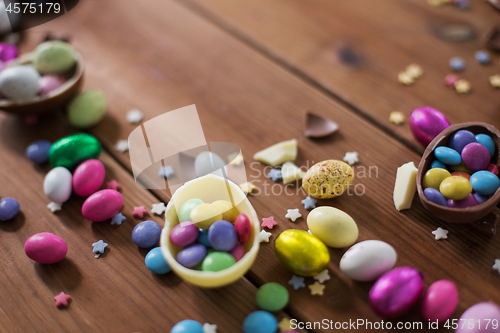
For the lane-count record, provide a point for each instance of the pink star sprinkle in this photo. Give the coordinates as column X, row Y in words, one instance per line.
column 62, row 299
column 269, row 222
column 139, row 212
column 450, row 80
column 113, row 185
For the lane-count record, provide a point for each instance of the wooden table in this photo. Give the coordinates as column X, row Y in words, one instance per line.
column 252, row 68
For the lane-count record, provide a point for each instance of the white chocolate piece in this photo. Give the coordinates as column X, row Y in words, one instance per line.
column 277, row 154
column 291, row 172
column 405, row 186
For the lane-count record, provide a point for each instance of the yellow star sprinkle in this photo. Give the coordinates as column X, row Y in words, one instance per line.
column 284, row 325
column 437, row 3
column 316, row 288
column 462, row 86
column 247, row 187
column 404, row 78
column 235, row 159
column 397, row 117
column 495, row 80
column 414, row 71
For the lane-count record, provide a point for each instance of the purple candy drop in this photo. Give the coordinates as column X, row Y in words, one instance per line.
column 475, row 156
column 192, row 255
column 7, row 52
column 435, row 196
column 426, row 123
column 469, row 201
column 396, row 291
column 184, row 234
column 481, row 198
column 461, row 139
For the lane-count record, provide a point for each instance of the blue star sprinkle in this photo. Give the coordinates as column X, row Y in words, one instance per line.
column 275, row 175
column 457, row 64
column 297, row 282
column 166, row 171
column 482, row 57
column 118, row 219
column 309, row 203
column 99, row 248
column 462, row 4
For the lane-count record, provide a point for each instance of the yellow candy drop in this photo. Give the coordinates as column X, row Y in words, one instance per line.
column 229, row 212
column 204, row 215
column 434, row 177
column 455, row 187
column 301, row 252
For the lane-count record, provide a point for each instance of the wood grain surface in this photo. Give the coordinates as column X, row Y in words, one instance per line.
column 161, row 55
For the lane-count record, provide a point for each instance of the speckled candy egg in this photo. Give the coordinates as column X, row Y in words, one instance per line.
column 19, row 82
column 301, row 252
column 396, row 291
column 440, row 301
column 54, row 57
column 102, row 205
column 328, row 179
column 49, row 83
column 332, row 226
column 87, row 109
column 367, row 260
column 88, row 177
column 58, row 184
column 46, row 248
column 426, row 123
column 481, row 313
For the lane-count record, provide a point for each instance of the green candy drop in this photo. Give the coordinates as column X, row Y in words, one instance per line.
column 272, row 297
column 217, row 261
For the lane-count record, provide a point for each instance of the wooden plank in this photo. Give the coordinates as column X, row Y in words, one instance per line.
column 175, row 58
column 386, row 36
column 115, row 293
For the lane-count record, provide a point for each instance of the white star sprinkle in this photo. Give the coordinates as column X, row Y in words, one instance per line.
column 209, row 328
column 351, row 158
column 309, row 231
column 440, row 233
column 322, row 277
column 54, row 206
column 297, row 282
column 166, row 171
column 264, row 236
column 122, row 146
column 134, row 116
column 293, row 214
column 496, row 266
column 235, row 159
column 158, row 208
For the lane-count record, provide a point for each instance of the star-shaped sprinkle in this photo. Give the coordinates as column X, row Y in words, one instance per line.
column 284, row 325
column 166, row 171
column 54, row 206
column 275, row 175
column 264, row 236
column 496, row 266
column 309, row 203
column 122, row 146
column 440, row 233
column 139, row 212
column 99, row 248
column 118, row 219
column 293, row 214
column 457, row 64
column 482, row 57
column 437, row 3
column 322, row 277
column 235, row 159
column 495, row 81
column 62, row 299
column 134, row 116
column 351, row 157
column 113, row 185
column 414, row 71
column 450, row 80
column 209, row 328
column 405, row 79
column 158, row 208
column 397, row 117
column 462, row 86
column 316, row 288
column 309, row 231
column 269, row 222
column 297, row 282
column 247, row 187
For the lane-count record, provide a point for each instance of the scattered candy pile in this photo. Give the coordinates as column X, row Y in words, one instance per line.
column 473, row 179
